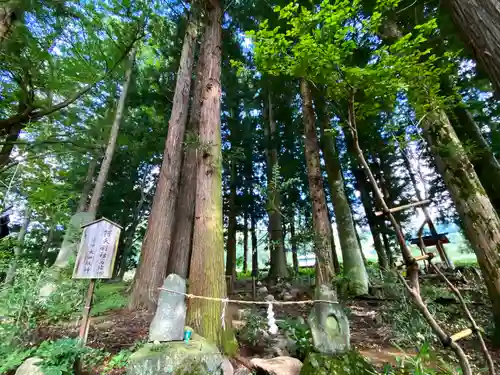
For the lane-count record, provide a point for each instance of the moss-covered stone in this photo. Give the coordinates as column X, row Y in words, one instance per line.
column 351, row 363
column 197, row 357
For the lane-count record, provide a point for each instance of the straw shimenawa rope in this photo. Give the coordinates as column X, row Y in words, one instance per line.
column 226, row 300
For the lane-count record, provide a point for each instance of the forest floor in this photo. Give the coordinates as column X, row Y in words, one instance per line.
column 380, row 328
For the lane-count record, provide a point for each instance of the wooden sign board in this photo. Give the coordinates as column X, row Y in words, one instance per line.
column 97, row 253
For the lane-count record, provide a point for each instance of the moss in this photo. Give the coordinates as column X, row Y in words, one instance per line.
column 350, row 363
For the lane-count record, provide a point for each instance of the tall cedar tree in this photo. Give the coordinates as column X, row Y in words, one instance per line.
column 354, row 267
column 206, row 275
column 180, row 251
column 156, row 246
column 278, row 267
column 321, row 222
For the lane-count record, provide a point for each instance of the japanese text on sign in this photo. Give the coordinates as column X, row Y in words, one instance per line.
column 96, row 256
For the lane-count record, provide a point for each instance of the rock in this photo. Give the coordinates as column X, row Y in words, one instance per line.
column 300, row 320
column 329, row 324
column 288, row 285
column 30, row 367
column 227, row 367
column 295, row 292
column 198, row 356
column 278, row 365
column 262, row 290
column 243, row 371
column 269, row 298
column 238, row 324
column 287, row 297
column 347, row 364
column 168, row 322
column 243, row 313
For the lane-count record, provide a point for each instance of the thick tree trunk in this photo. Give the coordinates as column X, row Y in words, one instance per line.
column 206, row 275
column 87, row 186
column 321, row 223
column 231, row 228
column 181, row 248
column 480, row 220
column 278, row 267
column 485, row 163
column 102, row 177
column 293, row 241
column 354, row 265
column 152, row 266
column 478, row 21
column 18, row 250
column 10, row 141
column 245, row 242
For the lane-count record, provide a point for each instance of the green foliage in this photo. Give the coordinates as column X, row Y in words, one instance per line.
column 7, row 245
column 300, row 333
column 13, row 358
column 59, row 356
column 251, row 333
column 350, row 363
column 109, row 296
column 118, row 361
column 22, row 308
column 424, row 363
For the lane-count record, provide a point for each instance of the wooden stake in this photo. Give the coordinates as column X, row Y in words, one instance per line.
column 404, row 207
column 84, row 328
column 461, row 335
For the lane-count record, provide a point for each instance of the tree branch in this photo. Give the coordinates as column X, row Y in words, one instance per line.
column 30, row 115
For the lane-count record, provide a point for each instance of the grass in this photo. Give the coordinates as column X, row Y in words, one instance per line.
column 109, row 296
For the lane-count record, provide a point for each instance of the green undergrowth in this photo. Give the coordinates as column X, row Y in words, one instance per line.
column 108, row 297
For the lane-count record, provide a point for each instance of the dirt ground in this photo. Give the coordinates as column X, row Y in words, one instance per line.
column 371, row 335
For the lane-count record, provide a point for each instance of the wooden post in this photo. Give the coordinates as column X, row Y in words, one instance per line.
column 254, row 289
column 84, row 328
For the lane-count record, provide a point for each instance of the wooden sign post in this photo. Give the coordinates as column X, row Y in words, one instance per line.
column 95, row 260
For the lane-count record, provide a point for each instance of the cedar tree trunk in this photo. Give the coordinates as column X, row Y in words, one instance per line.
column 152, row 266
column 321, row 223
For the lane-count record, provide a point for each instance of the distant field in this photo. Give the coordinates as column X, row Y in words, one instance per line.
column 458, row 250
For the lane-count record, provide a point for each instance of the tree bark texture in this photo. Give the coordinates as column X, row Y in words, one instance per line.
column 231, row 229
column 181, row 247
column 482, row 158
column 206, row 275
column 321, row 222
column 10, row 12
column 153, row 261
column 102, row 177
column 354, row 266
column 10, row 141
column 278, row 267
column 478, row 22
column 480, row 220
